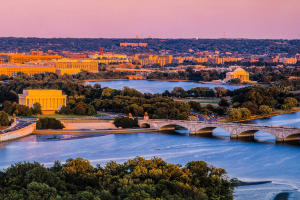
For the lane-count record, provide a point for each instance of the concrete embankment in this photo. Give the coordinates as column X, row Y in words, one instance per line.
column 12, row 135
column 102, row 131
column 88, row 124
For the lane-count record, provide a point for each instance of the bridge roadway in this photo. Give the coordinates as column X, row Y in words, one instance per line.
column 236, row 130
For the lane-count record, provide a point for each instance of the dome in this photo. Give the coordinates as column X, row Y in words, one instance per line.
column 239, row 71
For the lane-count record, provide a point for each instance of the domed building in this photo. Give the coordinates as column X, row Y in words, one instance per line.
column 238, row 73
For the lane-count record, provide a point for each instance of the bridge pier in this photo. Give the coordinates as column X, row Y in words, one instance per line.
column 279, row 140
column 234, row 136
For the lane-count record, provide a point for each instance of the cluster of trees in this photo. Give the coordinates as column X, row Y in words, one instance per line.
column 126, row 122
column 77, row 108
column 135, row 179
column 49, row 123
column 156, row 107
column 255, row 96
column 21, row 110
column 238, row 113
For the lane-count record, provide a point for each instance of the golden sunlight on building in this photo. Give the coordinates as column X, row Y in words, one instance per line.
column 29, row 70
column 238, row 73
column 83, row 65
column 22, row 58
column 50, row 100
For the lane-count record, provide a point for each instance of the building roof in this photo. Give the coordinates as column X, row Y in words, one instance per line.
column 238, row 71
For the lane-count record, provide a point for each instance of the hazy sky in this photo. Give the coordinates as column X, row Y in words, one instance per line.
column 275, row 19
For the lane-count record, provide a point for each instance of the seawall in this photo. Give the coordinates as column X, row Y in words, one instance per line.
column 67, row 132
column 17, row 133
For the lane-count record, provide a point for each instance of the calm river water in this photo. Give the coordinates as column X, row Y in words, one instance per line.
column 158, row 86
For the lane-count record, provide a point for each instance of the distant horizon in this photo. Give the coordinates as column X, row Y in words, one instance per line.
column 253, row 19
column 152, row 38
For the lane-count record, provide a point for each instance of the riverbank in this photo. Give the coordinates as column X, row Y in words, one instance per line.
column 276, row 113
column 85, row 131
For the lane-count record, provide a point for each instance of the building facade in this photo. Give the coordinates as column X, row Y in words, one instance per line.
column 50, row 100
column 238, row 73
column 22, row 58
column 29, row 70
column 83, row 65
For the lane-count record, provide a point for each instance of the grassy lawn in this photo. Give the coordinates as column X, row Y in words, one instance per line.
column 64, row 116
column 203, row 102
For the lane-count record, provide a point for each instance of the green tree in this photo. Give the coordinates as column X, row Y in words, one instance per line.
column 245, row 113
column 253, row 108
column 4, row 119
column 196, row 106
column 234, row 114
column 264, row 110
column 291, row 100
column 107, row 92
column 36, row 108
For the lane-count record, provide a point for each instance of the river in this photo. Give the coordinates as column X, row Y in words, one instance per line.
column 159, row 86
column 261, row 159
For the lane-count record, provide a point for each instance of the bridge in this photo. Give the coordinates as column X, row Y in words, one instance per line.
column 281, row 133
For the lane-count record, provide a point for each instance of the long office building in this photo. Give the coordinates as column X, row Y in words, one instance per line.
column 22, row 58
column 83, row 65
column 29, row 70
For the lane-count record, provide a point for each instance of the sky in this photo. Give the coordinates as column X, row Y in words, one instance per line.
column 257, row 19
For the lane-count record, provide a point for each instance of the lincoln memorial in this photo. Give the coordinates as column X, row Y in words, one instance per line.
column 50, row 100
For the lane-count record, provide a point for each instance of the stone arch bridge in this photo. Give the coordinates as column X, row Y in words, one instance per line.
column 281, row 133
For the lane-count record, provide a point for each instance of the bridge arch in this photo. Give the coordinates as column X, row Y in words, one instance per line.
column 258, row 134
column 171, row 127
column 145, row 125
column 209, row 130
column 293, row 137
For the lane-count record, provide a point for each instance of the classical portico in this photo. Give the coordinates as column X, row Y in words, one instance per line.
column 50, row 100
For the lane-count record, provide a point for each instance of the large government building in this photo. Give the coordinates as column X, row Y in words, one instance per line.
column 83, row 65
column 22, row 58
column 50, row 100
column 29, row 70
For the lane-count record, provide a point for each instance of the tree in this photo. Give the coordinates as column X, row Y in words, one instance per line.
column 264, row 110
column 250, row 106
column 221, row 91
column 124, row 122
column 49, row 123
column 224, row 103
column 4, row 119
column 291, row 100
column 221, row 111
column 179, row 92
column 245, row 113
column 36, row 108
column 107, row 92
column 234, row 114
column 196, row 106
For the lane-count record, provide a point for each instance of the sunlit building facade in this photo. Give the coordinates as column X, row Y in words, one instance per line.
column 50, row 100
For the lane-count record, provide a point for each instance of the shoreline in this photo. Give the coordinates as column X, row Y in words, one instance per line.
column 96, row 80
column 259, row 117
column 97, row 131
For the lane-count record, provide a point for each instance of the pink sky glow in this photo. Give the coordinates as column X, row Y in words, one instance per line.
column 274, row 19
